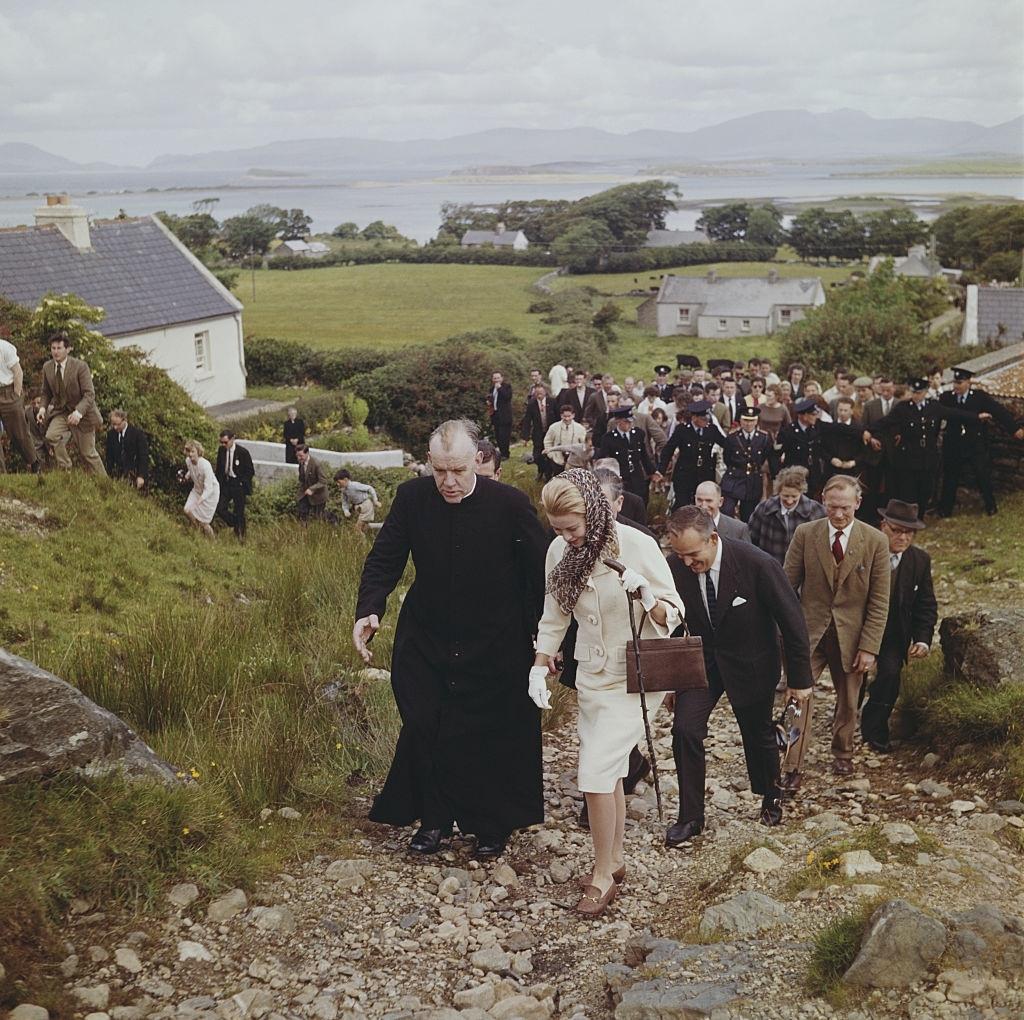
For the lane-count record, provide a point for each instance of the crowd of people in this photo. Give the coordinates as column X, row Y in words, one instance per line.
column 788, row 549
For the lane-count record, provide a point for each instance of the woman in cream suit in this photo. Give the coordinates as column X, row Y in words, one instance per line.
column 581, row 586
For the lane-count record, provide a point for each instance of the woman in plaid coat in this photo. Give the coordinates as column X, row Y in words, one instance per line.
column 775, row 519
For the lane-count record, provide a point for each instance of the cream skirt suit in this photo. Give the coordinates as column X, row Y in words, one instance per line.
column 610, row 721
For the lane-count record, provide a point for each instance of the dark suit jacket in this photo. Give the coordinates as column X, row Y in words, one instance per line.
column 128, row 456
column 872, row 413
column 533, row 427
column 744, row 643
column 913, row 611
column 241, row 465
column 634, row 510
column 502, row 412
column 79, row 394
column 572, row 398
column 313, row 477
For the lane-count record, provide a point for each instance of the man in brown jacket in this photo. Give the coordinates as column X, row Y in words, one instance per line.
column 69, row 408
column 312, row 497
column 840, row 567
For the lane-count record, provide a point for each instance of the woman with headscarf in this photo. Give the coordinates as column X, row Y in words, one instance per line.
column 580, row 585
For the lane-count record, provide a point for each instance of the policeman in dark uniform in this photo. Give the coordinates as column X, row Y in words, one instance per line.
column 967, row 442
column 746, row 459
column 800, row 443
column 664, row 384
column 628, row 445
column 695, row 463
column 916, row 423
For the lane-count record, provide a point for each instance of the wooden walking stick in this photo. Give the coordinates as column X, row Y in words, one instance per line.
column 620, row 569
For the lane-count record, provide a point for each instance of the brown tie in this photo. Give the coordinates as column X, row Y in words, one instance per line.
column 60, row 385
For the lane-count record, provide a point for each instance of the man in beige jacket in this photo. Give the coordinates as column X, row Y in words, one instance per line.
column 840, row 567
column 69, row 408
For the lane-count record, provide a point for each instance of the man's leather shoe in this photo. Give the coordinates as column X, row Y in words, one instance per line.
column 639, row 768
column 842, row 767
column 428, row 841
column 789, row 784
column 771, row 811
column 683, row 832
column 490, row 846
column 879, row 748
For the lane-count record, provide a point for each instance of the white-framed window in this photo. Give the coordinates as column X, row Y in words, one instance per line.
column 723, row 325
column 786, row 315
column 745, row 326
column 202, row 353
column 684, row 316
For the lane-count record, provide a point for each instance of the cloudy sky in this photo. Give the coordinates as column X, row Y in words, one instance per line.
column 126, row 80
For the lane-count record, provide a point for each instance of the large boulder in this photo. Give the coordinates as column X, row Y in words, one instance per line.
column 901, row 946
column 48, row 727
column 984, row 646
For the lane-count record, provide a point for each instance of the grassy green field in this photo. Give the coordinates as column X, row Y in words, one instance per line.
column 386, row 305
column 394, row 305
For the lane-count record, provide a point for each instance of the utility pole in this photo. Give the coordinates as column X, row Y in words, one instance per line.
column 252, row 269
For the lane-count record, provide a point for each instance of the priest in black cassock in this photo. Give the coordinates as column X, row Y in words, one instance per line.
column 469, row 751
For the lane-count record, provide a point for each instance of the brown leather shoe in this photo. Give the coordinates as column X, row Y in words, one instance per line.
column 619, row 874
column 592, row 903
column 789, row 783
column 842, row 767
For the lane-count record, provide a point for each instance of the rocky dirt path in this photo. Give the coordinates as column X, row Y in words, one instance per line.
column 366, row 932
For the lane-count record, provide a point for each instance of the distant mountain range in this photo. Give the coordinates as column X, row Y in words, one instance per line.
column 779, row 134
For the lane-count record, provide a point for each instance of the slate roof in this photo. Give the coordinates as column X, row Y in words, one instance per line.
column 749, row 296
column 1001, row 306
column 671, row 238
column 503, row 240
column 137, row 273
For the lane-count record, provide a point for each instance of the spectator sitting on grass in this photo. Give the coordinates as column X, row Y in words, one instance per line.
column 356, row 496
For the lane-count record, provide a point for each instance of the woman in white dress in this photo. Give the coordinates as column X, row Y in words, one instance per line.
column 581, row 585
column 202, row 501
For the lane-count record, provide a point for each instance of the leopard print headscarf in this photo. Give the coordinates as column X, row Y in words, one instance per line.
column 569, row 576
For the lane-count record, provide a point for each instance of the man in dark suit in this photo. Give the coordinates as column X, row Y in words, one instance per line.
column 499, row 401
column 577, row 397
column 69, row 408
column 294, row 435
column 877, row 463
column 127, row 453
column 737, row 600
column 746, row 455
column 311, row 499
column 694, row 446
column 913, row 613
column 235, row 473
column 541, row 414
column 967, row 442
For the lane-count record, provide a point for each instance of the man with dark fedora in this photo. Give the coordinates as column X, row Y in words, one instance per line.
column 967, row 442
column 913, row 613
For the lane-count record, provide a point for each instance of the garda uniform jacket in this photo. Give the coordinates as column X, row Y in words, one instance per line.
column 745, row 461
column 800, row 447
column 965, row 435
column 696, row 453
column 917, row 427
column 79, row 394
column 630, row 450
column 854, row 593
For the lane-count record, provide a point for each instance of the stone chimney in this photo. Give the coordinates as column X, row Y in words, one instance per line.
column 71, row 220
column 773, row 276
column 500, row 228
column 712, row 276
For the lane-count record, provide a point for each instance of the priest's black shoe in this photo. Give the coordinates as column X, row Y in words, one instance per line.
column 879, row 747
column 683, row 832
column 489, row 847
column 771, row 810
column 429, row 841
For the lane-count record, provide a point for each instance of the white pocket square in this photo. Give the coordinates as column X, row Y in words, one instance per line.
column 739, row 601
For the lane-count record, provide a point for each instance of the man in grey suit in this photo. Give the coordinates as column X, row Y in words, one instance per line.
column 877, row 472
column 709, row 498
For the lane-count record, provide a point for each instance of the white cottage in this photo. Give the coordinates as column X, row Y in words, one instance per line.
column 156, row 294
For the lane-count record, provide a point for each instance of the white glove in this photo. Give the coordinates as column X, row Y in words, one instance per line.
column 539, row 693
column 637, row 584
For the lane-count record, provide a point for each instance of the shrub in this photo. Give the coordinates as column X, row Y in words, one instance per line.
column 273, row 362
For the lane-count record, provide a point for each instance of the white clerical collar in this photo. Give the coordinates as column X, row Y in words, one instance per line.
column 462, row 499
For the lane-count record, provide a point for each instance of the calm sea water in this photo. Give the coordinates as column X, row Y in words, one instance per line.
column 412, row 204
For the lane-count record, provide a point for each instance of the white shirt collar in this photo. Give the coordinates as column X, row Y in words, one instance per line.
column 717, row 565
column 845, row 533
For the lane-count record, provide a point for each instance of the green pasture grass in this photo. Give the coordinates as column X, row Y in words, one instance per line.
column 836, row 947
column 389, row 305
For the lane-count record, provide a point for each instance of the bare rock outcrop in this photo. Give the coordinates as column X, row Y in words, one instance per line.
column 984, row 646
column 48, row 727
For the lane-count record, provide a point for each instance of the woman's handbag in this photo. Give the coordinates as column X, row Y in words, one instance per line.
column 668, row 664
